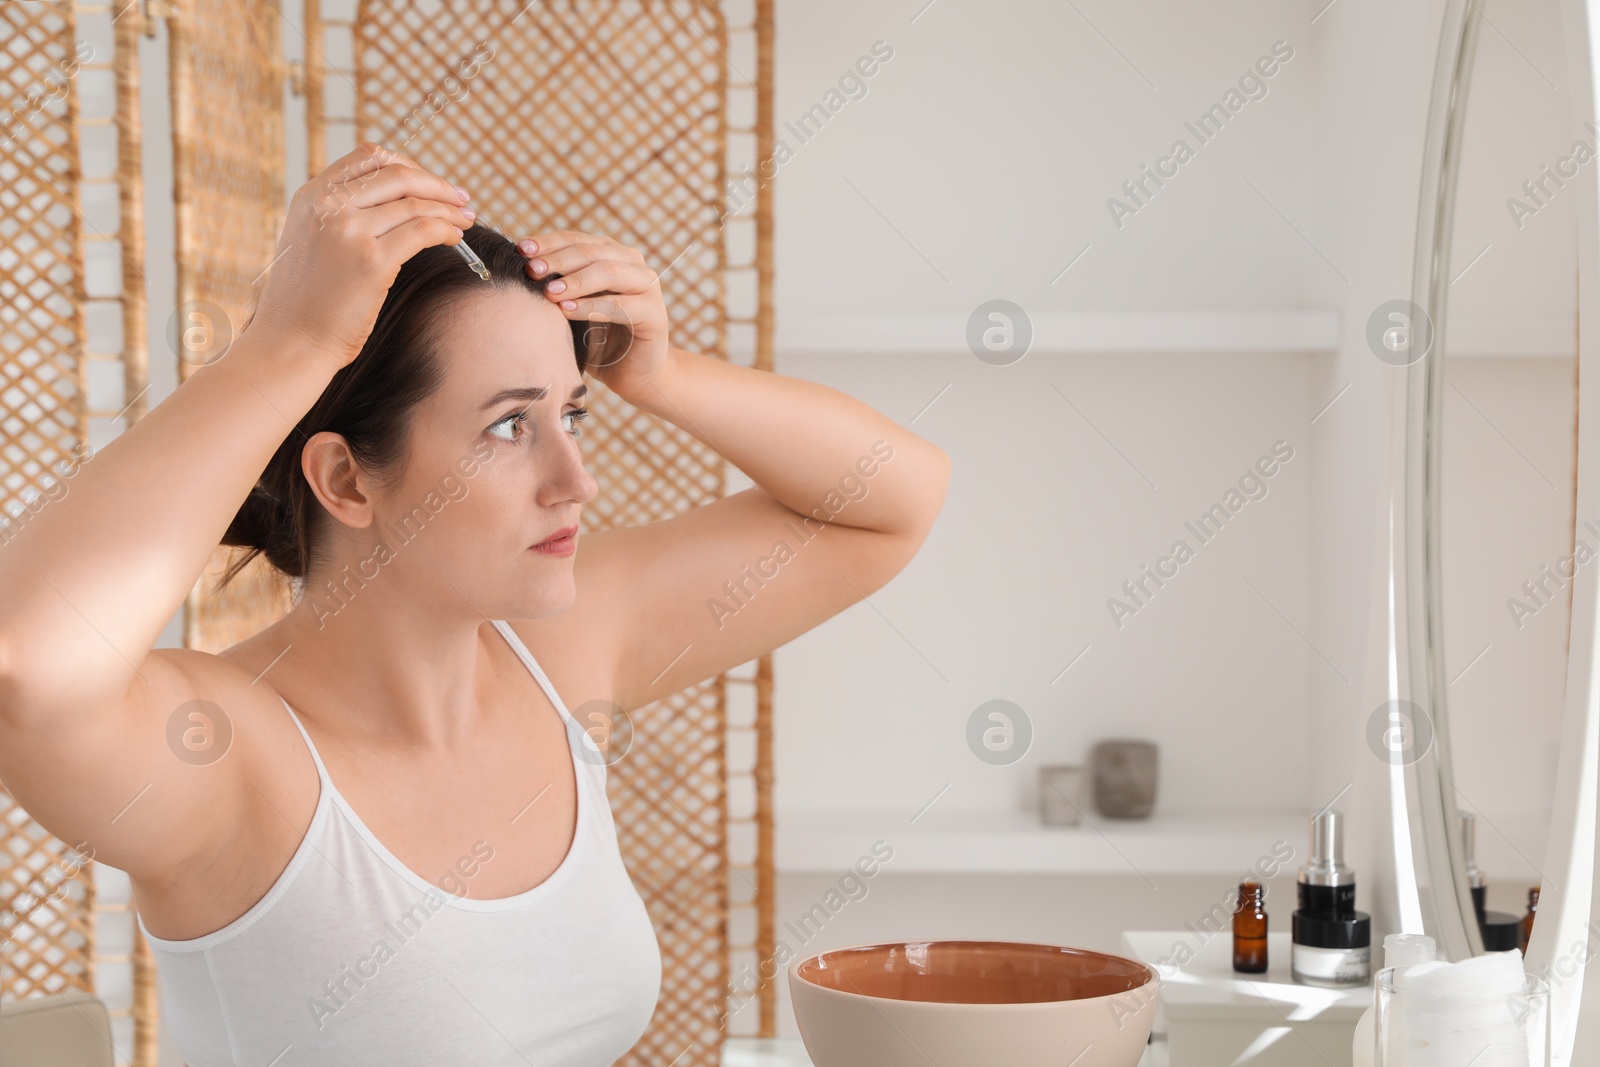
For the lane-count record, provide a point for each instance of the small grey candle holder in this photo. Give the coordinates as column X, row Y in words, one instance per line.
column 1061, row 794
column 1124, row 778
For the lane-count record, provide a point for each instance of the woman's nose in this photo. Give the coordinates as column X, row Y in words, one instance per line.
column 571, row 480
column 589, row 488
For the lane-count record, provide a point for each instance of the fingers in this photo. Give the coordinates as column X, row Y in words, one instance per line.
column 570, row 258
column 564, row 257
column 564, row 251
column 555, row 239
column 600, row 279
column 384, row 218
column 409, row 238
column 374, row 175
column 393, row 182
column 600, row 275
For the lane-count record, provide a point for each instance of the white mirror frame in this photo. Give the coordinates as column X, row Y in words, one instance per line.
column 1432, row 891
column 1435, row 897
column 1562, row 939
column 1430, row 877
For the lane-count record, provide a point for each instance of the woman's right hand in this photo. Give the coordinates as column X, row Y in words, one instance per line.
column 347, row 233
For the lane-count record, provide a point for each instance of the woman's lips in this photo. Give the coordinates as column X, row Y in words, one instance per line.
column 561, row 543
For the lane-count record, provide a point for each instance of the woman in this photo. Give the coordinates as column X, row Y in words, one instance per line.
column 374, row 833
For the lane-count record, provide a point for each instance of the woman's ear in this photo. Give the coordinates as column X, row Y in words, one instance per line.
column 338, row 481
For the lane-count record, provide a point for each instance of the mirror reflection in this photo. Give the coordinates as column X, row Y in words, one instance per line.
column 1509, row 419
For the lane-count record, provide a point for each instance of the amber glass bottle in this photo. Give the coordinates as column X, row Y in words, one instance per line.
column 1250, row 931
column 1525, row 931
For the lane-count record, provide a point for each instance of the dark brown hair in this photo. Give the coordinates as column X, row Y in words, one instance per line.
column 369, row 400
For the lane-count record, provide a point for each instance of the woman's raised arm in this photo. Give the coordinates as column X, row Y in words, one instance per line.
column 89, row 581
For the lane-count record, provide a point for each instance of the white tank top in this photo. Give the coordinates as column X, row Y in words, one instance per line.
column 351, row 958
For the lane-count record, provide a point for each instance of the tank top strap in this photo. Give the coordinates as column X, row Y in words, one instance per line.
column 533, row 666
column 322, row 772
column 576, row 734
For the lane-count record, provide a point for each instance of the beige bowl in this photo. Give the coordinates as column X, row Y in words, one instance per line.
column 972, row 1004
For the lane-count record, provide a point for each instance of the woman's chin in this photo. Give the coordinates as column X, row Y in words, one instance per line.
column 543, row 601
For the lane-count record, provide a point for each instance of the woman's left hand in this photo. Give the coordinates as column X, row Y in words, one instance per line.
column 603, row 281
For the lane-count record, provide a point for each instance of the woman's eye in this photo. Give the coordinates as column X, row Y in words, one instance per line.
column 509, row 422
column 512, row 422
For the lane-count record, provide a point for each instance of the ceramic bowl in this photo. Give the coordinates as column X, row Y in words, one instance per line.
column 966, row 1003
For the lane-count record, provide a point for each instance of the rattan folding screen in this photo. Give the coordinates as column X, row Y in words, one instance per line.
column 609, row 117
column 658, row 109
column 227, row 77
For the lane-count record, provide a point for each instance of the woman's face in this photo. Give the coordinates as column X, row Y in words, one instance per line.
column 492, row 471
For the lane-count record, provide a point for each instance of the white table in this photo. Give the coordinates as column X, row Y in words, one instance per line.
column 764, row 1052
column 791, row 1052
column 1209, row 1014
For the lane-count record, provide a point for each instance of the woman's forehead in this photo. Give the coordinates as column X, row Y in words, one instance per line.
column 504, row 339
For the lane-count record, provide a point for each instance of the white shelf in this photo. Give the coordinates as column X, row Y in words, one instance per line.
column 1015, row 842
column 1208, row 987
column 945, row 333
column 1058, row 333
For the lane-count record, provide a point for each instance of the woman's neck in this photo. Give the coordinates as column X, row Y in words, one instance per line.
column 383, row 669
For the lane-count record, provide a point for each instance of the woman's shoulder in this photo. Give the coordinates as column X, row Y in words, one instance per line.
column 234, row 680
column 249, row 714
column 236, row 721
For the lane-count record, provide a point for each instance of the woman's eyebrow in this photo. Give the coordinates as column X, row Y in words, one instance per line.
column 530, row 394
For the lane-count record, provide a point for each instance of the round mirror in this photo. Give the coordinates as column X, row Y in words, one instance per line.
column 1492, row 546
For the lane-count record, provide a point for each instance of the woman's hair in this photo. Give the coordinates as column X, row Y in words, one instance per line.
column 369, row 400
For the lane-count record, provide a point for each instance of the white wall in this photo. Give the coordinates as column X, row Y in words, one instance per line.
column 995, row 135
column 989, row 144
column 1044, row 521
column 1375, row 70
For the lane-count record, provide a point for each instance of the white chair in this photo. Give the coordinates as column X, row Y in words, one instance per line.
column 70, row 1029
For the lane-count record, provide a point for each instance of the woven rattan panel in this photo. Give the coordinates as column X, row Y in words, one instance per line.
column 46, row 893
column 227, row 120
column 606, row 117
